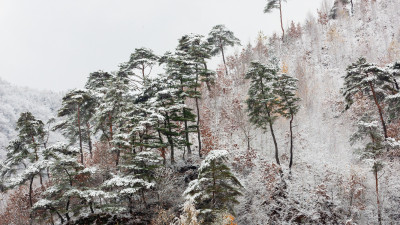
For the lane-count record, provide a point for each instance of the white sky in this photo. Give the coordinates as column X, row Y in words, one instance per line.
column 55, row 44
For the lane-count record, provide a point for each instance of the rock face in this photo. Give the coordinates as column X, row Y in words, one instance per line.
column 14, row 100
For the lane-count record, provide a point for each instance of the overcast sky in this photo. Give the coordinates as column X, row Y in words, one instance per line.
column 54, row 45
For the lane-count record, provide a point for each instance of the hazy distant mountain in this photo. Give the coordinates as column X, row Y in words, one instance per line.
column 14, row 100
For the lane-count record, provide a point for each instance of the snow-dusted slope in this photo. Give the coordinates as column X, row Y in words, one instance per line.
column 323, row 156
column 14, row 100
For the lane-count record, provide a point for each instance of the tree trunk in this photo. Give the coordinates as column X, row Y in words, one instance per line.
column 89, row 139
column 223, row 59
column 291, row 142
column 214, row 184
column 170, row 141
column 80, row 135
column 143, row 199
column 117, row 160
column 352, row 7
column 66, row 209
column 198, row 117
column 396, row 84
column 91, row 207
column 162, row 143
column 187, row 134
column 37, row 158
column 61, row 218
column 144, row 76
column 280, row 11
column 248, row 143
column 30, row 191
column 207, row 77
column 274, row 139
column 111, row 128
column 379, row 109
column 377, row 196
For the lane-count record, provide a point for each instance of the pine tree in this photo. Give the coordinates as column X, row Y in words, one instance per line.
column 368, row 129
column 195, row 49
column 114, row 106
column 77, row 108
column 285, row 87
column 19, row 167
column 393, row 100
column 263, row 102
column 141, row 59
column 24, row 151
column 181, row 70
column 216, row 188
column 275, row 4
column 65, row 169
column 134, row 179
column 97, row 85
column 30, row 131
column 167, row 102
column 363, row 78
column 220, row 38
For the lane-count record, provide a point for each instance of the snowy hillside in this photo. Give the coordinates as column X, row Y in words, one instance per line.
column 300, row 127
column 14, row 100
column 317, row 54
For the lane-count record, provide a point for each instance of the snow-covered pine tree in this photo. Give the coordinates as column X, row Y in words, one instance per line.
column 220, row 38
column 113, row 108
column 216, row 188
column 285, row 87
column 167, row 106
column 77, row 108
column 181, row 69
column 263, row 102
column 146, row 120
column 97, row 85
column 65, row 186
column 98, row 82
column 369, row 129
column 31, row 132
column 132, row 181
column 195, row 49
column 393, row 100
column 141, row 59
column 24, row 160
column 19, row 167
column 368, row 79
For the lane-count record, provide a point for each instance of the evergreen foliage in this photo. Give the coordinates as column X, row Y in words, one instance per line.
column 220, row 38
column 363, row 78
column 216, row 188
column 141, row 59
column 77, row 110
column 263, row 102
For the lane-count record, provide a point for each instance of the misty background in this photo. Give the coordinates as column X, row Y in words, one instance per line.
column 54, row 45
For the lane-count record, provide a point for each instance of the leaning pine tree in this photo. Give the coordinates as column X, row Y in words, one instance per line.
column 220, row 38
column 216, row 188
column 263, row 102
column 367, row 79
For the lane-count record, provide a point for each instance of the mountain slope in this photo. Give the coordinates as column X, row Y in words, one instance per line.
column 14, row 100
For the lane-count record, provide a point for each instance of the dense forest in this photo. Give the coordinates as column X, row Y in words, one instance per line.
column 300, row 127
